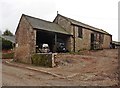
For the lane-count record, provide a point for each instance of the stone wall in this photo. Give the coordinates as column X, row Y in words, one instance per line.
column 25, row 41
column 80, row 43
column 44, row 59
column 69, row 43
column 107, row 40
column 84, row 42
column 67, row 26
column 63, row 23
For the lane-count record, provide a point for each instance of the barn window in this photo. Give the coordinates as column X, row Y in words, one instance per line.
column 80, row 34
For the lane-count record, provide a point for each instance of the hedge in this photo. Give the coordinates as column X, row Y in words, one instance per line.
column 6, row 45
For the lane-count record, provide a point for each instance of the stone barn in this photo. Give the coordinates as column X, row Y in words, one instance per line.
column 32, row 32
column 84, row 37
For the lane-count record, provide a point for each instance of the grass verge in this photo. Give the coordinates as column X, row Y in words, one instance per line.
column 8, row 55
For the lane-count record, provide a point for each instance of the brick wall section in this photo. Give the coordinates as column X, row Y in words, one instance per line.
column 25, row 38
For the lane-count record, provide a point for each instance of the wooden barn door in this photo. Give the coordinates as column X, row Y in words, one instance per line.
column 92, row 41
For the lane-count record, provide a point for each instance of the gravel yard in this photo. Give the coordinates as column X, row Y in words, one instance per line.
column 89, row 68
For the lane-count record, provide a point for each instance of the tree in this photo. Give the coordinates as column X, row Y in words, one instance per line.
column 8, row 33
column 6, row 45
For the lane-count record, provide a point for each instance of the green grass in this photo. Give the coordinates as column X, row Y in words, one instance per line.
column 8, row 56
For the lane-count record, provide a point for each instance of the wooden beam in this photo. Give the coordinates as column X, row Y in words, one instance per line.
column 55, row 42
column 73, row 38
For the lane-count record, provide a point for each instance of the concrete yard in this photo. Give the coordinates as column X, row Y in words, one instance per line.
column 88, row 68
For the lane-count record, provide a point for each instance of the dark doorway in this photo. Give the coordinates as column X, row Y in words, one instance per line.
column 43, row 37
column 96, row 41
column 92, row 41
column 50, row 38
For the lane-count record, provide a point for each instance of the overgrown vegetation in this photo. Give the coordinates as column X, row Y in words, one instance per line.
column 8, row 55
column 42, row 60
column 6, row 45
column 75, row 53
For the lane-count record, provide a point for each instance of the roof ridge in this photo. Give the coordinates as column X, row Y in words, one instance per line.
column 70, row 19
column 75, row 20
column 38, row 23
column 83, row 23
column 65, row 17
column 36, row 18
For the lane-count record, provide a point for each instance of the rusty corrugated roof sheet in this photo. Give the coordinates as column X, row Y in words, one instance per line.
column 45, row 25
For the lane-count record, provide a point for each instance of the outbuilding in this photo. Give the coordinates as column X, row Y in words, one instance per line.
column 32, row 32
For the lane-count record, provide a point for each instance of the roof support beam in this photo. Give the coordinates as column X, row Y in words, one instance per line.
column 73, row 38
column 55, row 42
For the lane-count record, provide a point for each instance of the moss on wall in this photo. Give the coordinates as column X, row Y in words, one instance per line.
column 8, row 55
column 42, row 60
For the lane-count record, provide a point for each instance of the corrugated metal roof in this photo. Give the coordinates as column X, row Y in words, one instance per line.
column 85, row 25
column 116, row 42
column 45, row 25
column 9, row 38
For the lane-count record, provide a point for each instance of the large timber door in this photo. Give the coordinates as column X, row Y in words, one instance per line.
column 92, row 41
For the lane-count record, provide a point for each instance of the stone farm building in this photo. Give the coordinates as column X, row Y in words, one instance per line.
column 31, row 32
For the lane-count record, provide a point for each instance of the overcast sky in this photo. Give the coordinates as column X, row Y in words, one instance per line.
column 102, row 14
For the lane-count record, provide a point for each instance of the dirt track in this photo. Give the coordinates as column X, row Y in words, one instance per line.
column 90, row 68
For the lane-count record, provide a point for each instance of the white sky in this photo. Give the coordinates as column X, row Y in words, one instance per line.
column 102, row 14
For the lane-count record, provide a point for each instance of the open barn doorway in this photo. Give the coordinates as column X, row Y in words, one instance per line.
column 44, row 37
column 55, row 41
